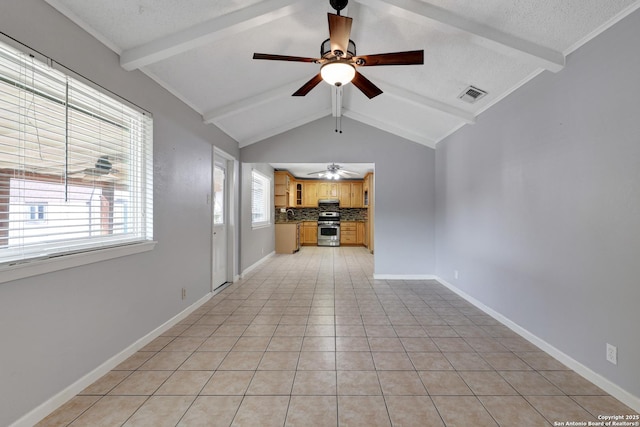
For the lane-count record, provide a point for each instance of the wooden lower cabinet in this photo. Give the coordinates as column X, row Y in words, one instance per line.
column 365, row 236
column 351, row 233
column 287, row 238
column 310, row 233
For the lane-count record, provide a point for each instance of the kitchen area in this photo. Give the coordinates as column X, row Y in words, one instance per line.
column 330, row 211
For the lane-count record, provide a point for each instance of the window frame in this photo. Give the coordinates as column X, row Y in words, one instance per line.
column 34, row 264
column 40, row 212
column 267, row 184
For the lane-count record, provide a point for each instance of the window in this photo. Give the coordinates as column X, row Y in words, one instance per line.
column 260, row 199
column 218, row 195
column 36, row 212
column 75, row 164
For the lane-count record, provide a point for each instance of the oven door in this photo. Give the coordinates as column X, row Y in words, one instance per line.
column 329, row 235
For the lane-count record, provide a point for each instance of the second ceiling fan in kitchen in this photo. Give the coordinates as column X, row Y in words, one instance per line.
column 333, row 171
column 338, row 59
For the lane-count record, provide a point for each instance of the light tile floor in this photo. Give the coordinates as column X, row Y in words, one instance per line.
column 312, row 340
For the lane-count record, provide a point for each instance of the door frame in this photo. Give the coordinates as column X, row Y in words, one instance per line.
column 231, row 211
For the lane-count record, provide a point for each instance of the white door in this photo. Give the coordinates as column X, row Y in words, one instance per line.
column 220, row 210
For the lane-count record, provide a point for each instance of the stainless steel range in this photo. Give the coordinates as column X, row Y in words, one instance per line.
column 329, row 229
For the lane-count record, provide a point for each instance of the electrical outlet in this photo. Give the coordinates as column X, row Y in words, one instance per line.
column 455, row 274
column 184, row 293
column 612, row 354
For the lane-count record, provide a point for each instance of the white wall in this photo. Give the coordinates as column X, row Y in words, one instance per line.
column 255, row 244
column 404, row 185
column 539, row 206
column 57, row 327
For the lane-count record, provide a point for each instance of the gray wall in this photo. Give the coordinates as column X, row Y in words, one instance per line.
column 57, row 327
column 255, row 244
column 404, row 184
column 539, row 205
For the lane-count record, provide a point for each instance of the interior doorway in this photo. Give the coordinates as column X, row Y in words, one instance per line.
column 223, row 241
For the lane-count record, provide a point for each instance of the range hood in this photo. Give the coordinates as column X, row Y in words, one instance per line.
column 328, row 202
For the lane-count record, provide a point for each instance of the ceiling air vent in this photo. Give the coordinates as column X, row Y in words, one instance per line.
column 472, row 94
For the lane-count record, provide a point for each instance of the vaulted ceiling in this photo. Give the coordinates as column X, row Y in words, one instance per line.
column 201, row 51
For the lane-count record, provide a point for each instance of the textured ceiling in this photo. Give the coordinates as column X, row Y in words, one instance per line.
column 201, row 50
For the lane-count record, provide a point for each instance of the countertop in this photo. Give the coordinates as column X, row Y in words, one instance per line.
column 295, row 221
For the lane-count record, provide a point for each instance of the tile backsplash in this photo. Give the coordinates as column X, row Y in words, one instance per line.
column 311, row 214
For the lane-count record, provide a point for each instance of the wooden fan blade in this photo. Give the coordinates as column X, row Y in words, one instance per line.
column 413, row 57
column 283, row 57
column 306, row 88
column 339, row 32
column 365, row 86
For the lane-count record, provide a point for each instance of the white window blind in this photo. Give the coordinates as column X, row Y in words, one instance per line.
column 75, row 164
column 260, row 199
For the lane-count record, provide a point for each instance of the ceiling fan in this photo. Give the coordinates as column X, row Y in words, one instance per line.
column 333, row 171
column 338, row 58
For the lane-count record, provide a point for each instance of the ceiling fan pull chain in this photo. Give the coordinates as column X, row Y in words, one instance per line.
column 338, row 124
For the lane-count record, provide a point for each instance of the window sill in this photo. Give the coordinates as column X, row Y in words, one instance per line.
column 259, row 226
column 37, row 267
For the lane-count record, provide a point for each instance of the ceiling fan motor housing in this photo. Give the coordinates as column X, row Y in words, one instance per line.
column 325, row 49
column 338, row 5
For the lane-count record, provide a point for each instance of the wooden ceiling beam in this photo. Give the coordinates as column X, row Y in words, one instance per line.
column 209, row 31
column 425, row 13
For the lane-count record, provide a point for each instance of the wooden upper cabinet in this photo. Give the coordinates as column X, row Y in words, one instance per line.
column 281, row 183
column 357, row 198
column 310, row 194
column 327, row 190
column 292, row 195
column 290, row 192
column 296, row 195
column 345, row 194
column 351, row 194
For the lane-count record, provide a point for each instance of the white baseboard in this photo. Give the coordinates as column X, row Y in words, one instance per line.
column 404, row 277
column 256, row 264
column 50, row 405
column 613, row 389
column 221, row 288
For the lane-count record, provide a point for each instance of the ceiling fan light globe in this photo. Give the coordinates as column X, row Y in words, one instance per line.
column 337, row 73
